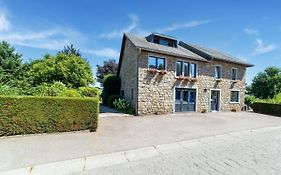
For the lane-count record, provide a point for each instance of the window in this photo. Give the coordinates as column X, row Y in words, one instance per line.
column 218, row 72
column 186, row 69
column 164, row 42
column 234, row 74
column 234, row 97
column 193, row 70
column 156, row 63
column 178, row 68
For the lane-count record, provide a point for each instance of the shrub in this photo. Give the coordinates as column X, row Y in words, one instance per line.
column 111, row 86
column 70, row 93
column 88, row 91
column 29, row 115
column 111, row 99
column 45, row 89
column 249, row 100
column 121, row 105
column 267, row 108
column 8, row 90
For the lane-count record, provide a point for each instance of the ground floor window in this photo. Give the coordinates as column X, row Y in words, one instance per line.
column 234, row 96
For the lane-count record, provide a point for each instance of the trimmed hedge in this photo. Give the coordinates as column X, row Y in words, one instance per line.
column 267, row 108
column 29, row 115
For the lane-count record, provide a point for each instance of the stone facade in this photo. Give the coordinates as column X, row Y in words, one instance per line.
column 155, row 93
column 129, row 73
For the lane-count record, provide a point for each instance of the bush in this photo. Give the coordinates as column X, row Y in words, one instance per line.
column 267, row 108
column 89, row 91
column 29, row 115
column 45, row 89
column 111, row 86
column 121, row 105
column 249, row 100
column 70, row 93
column 9, row 91
column 111, row 99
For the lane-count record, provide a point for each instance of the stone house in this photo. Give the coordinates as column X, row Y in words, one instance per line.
column 160, row 74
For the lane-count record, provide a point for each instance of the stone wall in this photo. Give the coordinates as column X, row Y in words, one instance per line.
column 156, row 92
column 129, row 73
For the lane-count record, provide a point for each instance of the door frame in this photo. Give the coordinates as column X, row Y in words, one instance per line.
column 185, row 87
column 210, row 102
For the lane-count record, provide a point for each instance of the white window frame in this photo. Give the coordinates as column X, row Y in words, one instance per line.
column 216, row 72
column 196, row 73
column 182, row 69
column 236, row 74
column 157, row 56
column 234, row 102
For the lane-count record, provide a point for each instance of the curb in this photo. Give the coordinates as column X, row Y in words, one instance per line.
column 104, row 160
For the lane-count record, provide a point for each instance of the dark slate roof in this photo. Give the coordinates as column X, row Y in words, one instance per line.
column 213, row 54
column 142, row 43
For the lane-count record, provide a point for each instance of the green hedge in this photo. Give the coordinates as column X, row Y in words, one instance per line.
column 267, row 108
column 29, row 115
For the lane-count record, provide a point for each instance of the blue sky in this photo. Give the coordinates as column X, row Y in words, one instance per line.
column 250, row 30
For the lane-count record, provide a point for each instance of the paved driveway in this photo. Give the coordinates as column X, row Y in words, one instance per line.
column 257, row 152
column 124, row 133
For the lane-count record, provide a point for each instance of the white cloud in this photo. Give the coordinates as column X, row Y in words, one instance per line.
column 4, row 23
column 104, row 52
column 189, row 24
column 262, row 48
column 118, row 33
column 53, row 38
column 251, row 31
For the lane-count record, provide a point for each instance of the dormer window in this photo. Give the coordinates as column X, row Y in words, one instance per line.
column 162, row 40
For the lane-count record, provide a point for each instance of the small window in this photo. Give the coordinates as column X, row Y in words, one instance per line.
column 122, row 93
column 178, row 68
column 193, row 70
column 186, row 69
column 218, row 72
column 234, row 74
column 234, row 97
column 156, row 63
column 164, row 42
column 132, row 94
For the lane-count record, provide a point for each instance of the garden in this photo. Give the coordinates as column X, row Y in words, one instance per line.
column 264, row 94
column 51, row 94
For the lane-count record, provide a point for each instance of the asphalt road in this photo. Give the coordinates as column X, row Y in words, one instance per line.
column 240, row 153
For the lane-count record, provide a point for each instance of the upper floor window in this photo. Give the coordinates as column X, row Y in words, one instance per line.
column 164, row 42
column 218, row 72
column 156, row 63
column 182, row 68
column 234, row 96
column 234, row 74
column 193, row 70
column 186, row 69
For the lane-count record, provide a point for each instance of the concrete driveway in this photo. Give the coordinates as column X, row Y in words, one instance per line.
column 124, row 133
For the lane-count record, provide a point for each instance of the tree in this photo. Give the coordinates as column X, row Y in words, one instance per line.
column 10, row 64
column 111, row 86
column 72, row 70
column 69, row 49
column 266, row 84
column 109, row 67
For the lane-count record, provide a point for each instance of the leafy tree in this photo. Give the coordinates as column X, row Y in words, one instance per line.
column 69, row 49
column 266, row 84
column 10, row 64
column 109, row 67
column 72, row 70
